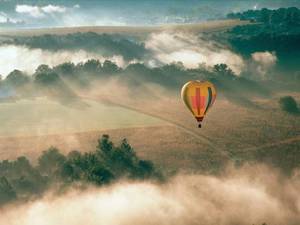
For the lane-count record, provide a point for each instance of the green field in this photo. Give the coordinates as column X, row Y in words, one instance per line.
column 45, row 117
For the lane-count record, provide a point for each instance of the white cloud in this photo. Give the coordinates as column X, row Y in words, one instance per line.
column 3, row 17
column 38, row 12
column 77, row 19
column 33, row 11
column 26, row 59
column 264, row 61
column 76, row 6
column 191, row 51
column 53, row 9
column 265, row 58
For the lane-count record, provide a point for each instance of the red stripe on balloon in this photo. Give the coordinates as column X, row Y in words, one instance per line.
column 198, row 100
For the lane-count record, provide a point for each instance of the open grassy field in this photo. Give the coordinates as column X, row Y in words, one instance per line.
column 177, row 143
column 208, row 26
column 46, row 117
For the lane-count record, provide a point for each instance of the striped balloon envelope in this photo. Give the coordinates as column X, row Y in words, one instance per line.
column 198, row 96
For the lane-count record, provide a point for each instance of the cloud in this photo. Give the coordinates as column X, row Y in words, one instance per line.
column 76, row 6
column 6, row 20
column 26, row 59
column 265, row 58
column 53, row 9
column 264, row 61
column 76, row 19
column 191, row 51
column 3, row 17
column 33, row 11
column 251, row 195
column 38, row 12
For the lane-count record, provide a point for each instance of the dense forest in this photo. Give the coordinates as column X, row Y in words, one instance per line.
column 277, row 17
column 271, row 30
column 21, row 180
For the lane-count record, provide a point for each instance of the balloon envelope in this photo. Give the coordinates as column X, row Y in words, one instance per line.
column 198, row 96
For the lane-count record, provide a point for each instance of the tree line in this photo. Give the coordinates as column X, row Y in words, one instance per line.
column 21, row 180
column 55, row 82
column 289, row 16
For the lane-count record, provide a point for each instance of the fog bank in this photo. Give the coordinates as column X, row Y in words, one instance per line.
column 251, row 195
column 191, row 50
column 27, row 59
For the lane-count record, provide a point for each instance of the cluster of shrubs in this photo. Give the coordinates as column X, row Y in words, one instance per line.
column 19, row 179
column 289, row 104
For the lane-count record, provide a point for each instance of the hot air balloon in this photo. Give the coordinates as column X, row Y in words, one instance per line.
column 198, row 96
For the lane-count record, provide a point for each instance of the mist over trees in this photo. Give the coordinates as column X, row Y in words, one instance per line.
column 56, row 82
column 276, row 37
column 21, row 180
column 105, row 44
column 273, row 30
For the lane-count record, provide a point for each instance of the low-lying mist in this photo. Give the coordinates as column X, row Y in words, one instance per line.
column 250, row 195
column 32, row 58
column 191, row 50
column 155, row 50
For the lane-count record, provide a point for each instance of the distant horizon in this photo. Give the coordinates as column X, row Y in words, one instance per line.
column 124, row 25
column 202, row 26
column 78, row 13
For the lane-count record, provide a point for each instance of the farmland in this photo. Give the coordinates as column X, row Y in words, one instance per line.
column 209, row 26
column 173, row 140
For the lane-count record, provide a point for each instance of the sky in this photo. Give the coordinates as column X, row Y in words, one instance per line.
column 60, row 13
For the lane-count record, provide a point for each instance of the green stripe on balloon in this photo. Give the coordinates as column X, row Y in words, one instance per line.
column 209, row 99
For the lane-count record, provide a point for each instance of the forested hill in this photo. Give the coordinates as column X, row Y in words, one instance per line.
column 282, row 20
column 276, row 31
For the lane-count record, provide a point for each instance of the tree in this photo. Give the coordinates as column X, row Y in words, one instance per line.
column 126, row 147
column 51, row 161
column 109, row 67
column 17, row 78
column 47, row 78
column 223, row 71
column 92, row 66
column 7, row 192
column 146, row 169
column 289, row 104
column 93, row 169
column 43, row 69
column 104, row 144
column 99, row 175
column 66, row 69
column 68, row 172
